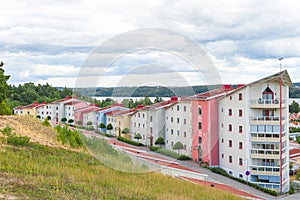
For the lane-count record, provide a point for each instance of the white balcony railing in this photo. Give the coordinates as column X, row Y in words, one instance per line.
column 266, row 103
column 265, row 119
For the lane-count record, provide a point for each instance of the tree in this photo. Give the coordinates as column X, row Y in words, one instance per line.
column 102, row 125
column 178, row 146
column 147, row 101
column 138, row 136
column 158, row 99
column 4, row 108
column 109, row 126
column 159, row 141
column 38, row 116
column 294, row 107
column 63, row 120
column 89, row 123
column 79, row 122
column 125, row 131
column 49, row 117
column 46, row 122
column 70, row 121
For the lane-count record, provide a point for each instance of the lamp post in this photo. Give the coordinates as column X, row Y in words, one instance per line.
column 280, row 59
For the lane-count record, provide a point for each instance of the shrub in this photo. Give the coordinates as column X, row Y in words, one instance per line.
column 70, row 121
column 68, row 137
column 18, row 140
column 63, row 120
column 130, row 141
column 138, row 136
column 154, row 148
column 102, row 125
column 46, row 122
column 173, row 154
column 89, row 123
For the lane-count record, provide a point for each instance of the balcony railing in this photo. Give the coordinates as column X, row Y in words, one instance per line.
column 265, row 154
column 266, row 103
column 272, row 120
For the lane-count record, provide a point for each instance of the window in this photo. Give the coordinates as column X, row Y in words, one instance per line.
column 151, row 118
column 230, row 98
column 139, row 125
column 178, row 132
column 134, row 124
column 172, row 143
column 240, row 129
column 199, row 125
column 240, row 97
column 222, row 140
column 171, row 119
column 199, row 140
column 172, row 131
column 151, row 129
column 199, row 111
column 230, row 159
column 241, row 175
column 56, row 108
column 230, row 143
column 184, row 108
column 222, row 155
column 229, row 112
column 222, row 125
column 184, row 134
column 143, row 115
column 178, row 120
column 184, row 147
column 230, row 127
column 240, row 145
column 184, row 121
column 222, row 110
column 177, row 108
column 240, row 112
column 240, row 161
column 139, row 115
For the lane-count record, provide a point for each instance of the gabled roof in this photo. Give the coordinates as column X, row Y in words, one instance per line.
column 283, row 75
column 33, row 105
column 61, row 100
column 212, row 93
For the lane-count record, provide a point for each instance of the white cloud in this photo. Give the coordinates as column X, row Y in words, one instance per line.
column 40, row 40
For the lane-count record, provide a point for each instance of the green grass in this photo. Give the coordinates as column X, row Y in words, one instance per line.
column 40, row 172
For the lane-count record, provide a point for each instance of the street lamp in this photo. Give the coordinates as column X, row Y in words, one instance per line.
column 280, row 59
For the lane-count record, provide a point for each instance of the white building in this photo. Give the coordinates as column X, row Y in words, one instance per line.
column 178, row 126
column 253, row 132
column 44, row 110
column 149, row 121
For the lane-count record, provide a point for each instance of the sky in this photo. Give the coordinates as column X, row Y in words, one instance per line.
column 77, row 43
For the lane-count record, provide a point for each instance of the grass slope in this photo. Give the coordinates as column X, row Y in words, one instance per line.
column 43, row 172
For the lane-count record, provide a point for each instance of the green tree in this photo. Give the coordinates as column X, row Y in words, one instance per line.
column 4, row 108
column 147, row 101
column 294, row 107
column 125, row 131
column 158, row 99
column 138, row 136
column 178, row 146
column 102, row 125
column 79, row 122
column 109, row 126
column 89, row 123
column 63, row 120
column 46, row 122
column 70, row 121
column 159, row 141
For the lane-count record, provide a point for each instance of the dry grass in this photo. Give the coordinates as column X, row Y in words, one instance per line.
column 26, row 125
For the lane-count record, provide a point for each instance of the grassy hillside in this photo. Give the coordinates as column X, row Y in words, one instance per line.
column 36, row 171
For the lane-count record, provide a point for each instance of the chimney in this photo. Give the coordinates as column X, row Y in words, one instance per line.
column 174, row 98
column 240, row 85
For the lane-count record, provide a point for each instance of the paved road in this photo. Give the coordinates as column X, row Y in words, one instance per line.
column 213, row 177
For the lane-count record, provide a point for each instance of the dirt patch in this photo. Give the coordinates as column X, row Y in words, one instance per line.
column 32, row 127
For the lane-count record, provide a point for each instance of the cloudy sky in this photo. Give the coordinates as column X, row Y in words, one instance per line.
column 114, row 43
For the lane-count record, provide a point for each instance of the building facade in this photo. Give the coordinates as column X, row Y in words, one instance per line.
column 253, row 132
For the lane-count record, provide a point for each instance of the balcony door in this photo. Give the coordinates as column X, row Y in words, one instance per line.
column 268, row 114
column 268, row 95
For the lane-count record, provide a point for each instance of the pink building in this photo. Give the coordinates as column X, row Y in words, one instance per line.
column 79, row 113
column 205, row 133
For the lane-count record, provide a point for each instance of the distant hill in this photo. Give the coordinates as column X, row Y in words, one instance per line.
column 153, row 91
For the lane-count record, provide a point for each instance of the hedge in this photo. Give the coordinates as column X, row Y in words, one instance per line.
column 154, row 148
column 173, row 154
column 130, row 141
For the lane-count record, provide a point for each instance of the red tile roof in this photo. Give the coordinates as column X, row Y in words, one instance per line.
column 213, row 93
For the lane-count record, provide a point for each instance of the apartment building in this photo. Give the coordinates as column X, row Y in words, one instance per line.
column 178, row 126
column 253, row 132
column 205, row 132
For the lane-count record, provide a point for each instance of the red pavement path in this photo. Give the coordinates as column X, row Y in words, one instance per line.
column 177, row 166
column 223, row 187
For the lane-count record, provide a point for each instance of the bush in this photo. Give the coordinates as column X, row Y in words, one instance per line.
column 13, row 139
column 68, row 137
column 154, row 148
column 46, row 122
column 18, row 140
column 173, row 154
column 130, row 141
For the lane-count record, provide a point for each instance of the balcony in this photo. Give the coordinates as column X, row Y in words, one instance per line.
column 265, row 154
column 266, row 120
column 265, row 172
column 265, row 139
column 266, row 103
